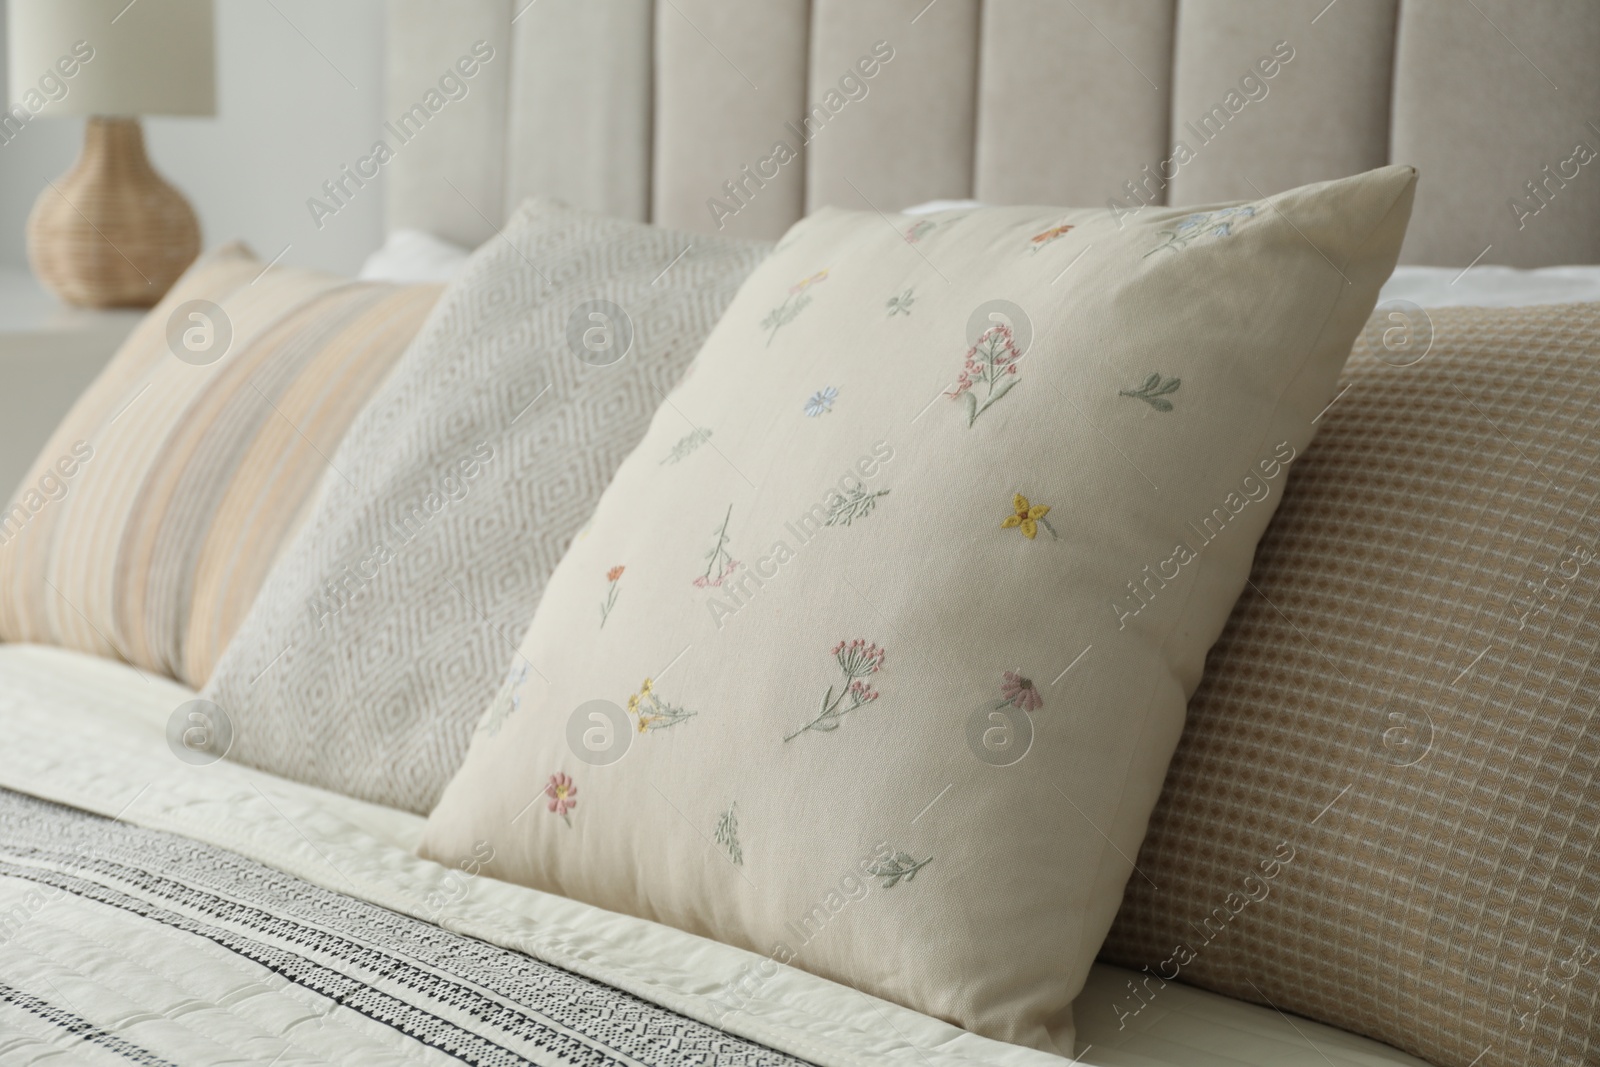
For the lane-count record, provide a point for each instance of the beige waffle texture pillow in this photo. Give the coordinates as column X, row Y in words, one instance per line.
column 872, row 680
column 1383, row 813
column 154, row 513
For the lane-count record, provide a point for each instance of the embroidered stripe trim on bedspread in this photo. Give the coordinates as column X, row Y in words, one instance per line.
column 80, row 1028
column 469, row 999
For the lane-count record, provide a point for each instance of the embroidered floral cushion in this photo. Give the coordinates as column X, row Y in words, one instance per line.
column 875, row 651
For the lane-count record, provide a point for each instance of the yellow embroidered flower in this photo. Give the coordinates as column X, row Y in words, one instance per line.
column 806, row 283
column 652, row 712
column 1028, row 517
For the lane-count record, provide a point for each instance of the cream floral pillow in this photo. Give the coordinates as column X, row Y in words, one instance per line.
column 875, row 651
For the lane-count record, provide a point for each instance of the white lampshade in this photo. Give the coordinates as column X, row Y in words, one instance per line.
column 150, row 57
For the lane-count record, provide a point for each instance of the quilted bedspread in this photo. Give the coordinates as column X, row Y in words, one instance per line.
column 154, row 911
column 201, row 954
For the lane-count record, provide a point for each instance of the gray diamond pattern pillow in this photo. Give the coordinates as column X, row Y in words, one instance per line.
column 388, row 622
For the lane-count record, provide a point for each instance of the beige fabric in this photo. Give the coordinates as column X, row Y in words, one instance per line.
column 1069, row 101
column 593, row 151
column 1405, row 706
column 869, row 559
column 1486, row 95
column 729, row 80
column 451, row 180
column 858, row 158
column 1325, row 115
column 153, row 514
column 1074, row 98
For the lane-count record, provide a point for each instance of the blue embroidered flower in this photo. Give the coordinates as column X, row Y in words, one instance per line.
column 821, row 401
column 1202, row 224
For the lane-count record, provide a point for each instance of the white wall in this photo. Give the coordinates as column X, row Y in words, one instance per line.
column 299, row 92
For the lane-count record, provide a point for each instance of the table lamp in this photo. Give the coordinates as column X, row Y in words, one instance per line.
column 111, row 232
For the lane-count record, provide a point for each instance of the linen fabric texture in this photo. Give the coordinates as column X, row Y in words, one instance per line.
column 882, row 678
column 156, row 510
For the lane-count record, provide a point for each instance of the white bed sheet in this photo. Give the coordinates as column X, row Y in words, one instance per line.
column 90, row 733
column 412, row 256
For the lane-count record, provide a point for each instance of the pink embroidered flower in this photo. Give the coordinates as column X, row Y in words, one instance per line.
column 1020, row 692
column 861, row 692
column 611, row 594
column 859, row 660
column 706, row 581
column 561, row 792
column 988, row 362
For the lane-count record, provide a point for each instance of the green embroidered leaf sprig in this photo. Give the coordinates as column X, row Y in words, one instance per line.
column 901, row 303
column 727, row 835
column 507, row 702
column 792, row 305
column 784, row 314
column 719, row 561
column 1154, row 391
column 856, row 504
column 900, row 867
column 686, row 445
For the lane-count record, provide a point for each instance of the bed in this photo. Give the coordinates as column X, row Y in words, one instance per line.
column 158, row 910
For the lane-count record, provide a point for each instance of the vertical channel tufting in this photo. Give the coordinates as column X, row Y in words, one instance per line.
column 580, row 105
column 1323, row 113
column 730, row 79
column 464, row 143
column 1497, row 102
column 1487, row 96
column 904, row 134
column 1073, row 98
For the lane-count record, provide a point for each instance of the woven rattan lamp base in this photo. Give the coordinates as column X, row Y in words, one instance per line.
column 111, row 232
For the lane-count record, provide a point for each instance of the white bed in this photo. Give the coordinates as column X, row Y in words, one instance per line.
column 89, row 733
column 645, row 110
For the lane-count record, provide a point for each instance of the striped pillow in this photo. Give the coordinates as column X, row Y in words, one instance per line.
column 147, row 524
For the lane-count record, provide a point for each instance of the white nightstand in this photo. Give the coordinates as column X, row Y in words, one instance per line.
column 48, row 355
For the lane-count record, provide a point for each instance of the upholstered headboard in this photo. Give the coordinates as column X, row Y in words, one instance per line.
column 650, row 108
